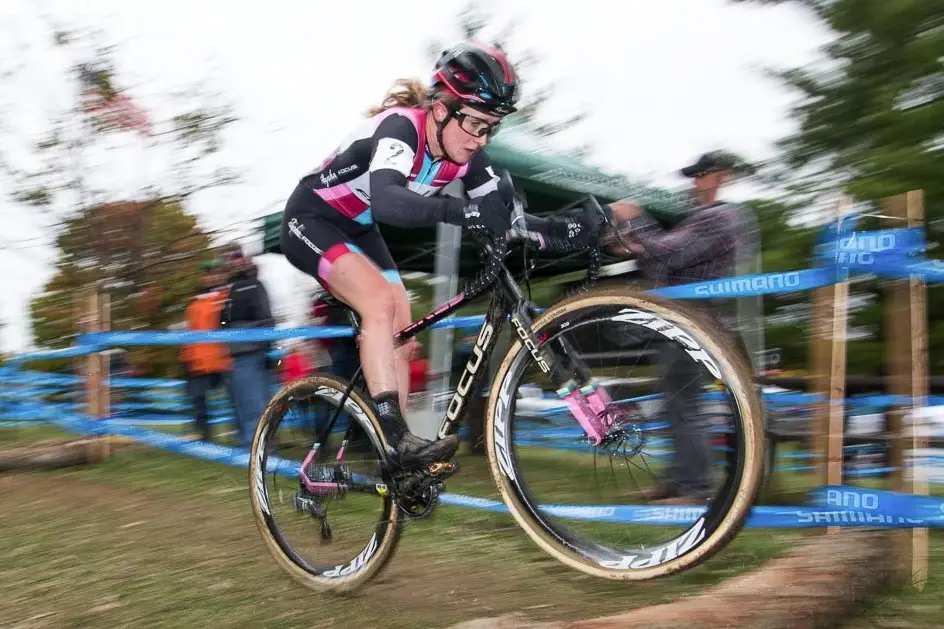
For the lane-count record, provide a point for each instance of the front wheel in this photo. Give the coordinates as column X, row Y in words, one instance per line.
column 548, row 466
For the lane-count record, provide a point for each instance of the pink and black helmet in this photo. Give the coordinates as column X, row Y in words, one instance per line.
column 480, row 76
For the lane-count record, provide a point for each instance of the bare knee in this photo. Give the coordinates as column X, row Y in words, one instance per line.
column 381, row 311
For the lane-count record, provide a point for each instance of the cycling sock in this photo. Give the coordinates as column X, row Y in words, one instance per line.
column 388, row 410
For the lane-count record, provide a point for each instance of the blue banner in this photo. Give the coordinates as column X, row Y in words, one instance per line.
column 750, row 285
column 760, row 517
column 838, row 506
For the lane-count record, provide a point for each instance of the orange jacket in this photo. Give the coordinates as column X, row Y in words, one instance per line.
column 203, row 313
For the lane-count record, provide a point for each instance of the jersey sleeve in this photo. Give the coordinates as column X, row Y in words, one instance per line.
column 393, row 152
column 393, row 146
column 480, row 179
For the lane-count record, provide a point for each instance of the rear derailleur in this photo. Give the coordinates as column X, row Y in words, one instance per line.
column 315, row 505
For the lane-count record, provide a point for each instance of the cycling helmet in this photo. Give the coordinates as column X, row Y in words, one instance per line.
column 479, row 76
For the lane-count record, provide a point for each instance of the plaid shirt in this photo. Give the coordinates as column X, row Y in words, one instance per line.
column 700, row 248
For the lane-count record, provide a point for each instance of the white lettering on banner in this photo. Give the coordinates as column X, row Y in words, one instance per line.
column 852, row 517
column 652, row 557
column 671, row 331
column 868, row 242
column 853, row 499
column 669, row 514
column 582, row 513
column 772, row 282
column 356, row 564
column 854, row 257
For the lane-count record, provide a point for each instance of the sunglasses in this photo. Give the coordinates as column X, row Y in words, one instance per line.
column 476, row 127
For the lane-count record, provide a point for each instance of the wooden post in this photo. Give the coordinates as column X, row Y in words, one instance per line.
column 93, row 374
column 907, row 359
column 828, row 357
column 103, row 303
column 96, row 318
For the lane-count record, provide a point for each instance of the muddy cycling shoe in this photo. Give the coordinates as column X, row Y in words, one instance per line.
column 411, row 452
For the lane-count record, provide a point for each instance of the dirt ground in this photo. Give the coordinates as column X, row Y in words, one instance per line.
column 151, row 539
column 79, row 552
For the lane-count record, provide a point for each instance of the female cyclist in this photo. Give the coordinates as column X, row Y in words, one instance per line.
column 411, row 146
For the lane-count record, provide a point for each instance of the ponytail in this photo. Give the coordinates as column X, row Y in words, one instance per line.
column 403, row 93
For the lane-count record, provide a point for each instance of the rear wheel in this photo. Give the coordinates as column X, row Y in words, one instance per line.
column 336, row 526
column 542, row 459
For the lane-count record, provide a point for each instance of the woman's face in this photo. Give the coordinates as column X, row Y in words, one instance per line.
column 466, row 133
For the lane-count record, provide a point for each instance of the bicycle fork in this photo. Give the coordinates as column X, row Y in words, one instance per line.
column 587, row 402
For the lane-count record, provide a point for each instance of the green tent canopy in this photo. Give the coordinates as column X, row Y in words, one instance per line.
column 550, row 181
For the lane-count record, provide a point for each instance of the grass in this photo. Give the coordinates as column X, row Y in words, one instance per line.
column 153, row 539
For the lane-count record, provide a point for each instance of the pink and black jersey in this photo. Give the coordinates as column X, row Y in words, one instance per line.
column 394, row 139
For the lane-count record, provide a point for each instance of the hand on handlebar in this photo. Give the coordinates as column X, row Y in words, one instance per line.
column 486, row 216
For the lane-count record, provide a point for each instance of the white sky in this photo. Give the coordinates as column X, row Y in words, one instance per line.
column 663, row 80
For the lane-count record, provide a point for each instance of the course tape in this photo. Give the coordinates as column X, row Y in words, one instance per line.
column 889, row 253
column 838, row 506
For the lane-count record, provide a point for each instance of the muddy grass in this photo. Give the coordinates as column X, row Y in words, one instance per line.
column 151, row 539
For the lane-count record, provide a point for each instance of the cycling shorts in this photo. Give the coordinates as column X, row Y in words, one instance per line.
column 314, row 236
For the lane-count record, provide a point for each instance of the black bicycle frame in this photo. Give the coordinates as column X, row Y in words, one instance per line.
column 507, row 302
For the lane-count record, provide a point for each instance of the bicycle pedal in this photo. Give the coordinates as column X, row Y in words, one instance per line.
column 442, row 469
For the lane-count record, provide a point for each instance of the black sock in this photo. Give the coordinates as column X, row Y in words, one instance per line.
column 388, row 410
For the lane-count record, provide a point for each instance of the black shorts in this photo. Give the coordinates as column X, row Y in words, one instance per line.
column 314, row 235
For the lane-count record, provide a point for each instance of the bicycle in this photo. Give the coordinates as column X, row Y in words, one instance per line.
column 605, row 425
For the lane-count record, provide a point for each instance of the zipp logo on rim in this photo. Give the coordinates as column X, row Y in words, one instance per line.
column 499, row 432
column 670, row 331
column 259, row 480
column 651, row 557
column 356, row 564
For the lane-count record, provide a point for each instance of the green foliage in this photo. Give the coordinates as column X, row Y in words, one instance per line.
column 143, row 251
column 871, row 122
column 146, row 256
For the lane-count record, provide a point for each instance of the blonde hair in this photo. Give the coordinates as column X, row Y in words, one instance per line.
column 408, row 93
column 403, row 93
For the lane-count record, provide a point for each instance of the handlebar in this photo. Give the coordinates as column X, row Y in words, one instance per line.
column 497, row 248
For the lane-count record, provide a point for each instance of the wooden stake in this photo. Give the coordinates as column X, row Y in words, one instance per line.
column 906, row 355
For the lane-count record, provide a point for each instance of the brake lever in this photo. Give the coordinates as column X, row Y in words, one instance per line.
column 608, row 220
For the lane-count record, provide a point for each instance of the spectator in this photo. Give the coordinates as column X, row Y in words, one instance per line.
column 326, row 310
column 253, row 377
column 298, row 363
column 701, row 247
column 206, row 365
column 419, row 369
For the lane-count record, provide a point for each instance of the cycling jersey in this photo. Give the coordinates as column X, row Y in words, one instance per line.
column 332, row 211
column 394, row 139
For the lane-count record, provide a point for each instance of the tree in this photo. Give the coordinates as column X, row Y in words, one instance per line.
column 95, row 252
column 134, row 238
column 871, row 123
column 871, row 119
column 71, row 166
column 478, row 21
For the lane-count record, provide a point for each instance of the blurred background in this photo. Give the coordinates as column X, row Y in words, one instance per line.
column 146, row 150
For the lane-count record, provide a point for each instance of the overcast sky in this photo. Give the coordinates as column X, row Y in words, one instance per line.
column 663, row 80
